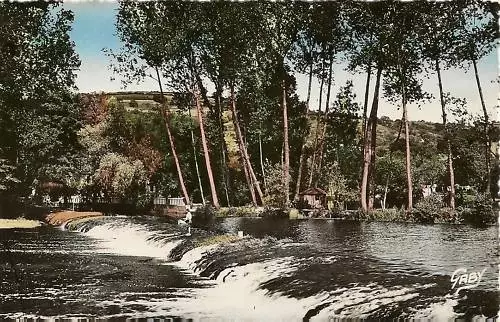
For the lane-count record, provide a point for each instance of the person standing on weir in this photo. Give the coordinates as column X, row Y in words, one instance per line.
column 188, row 219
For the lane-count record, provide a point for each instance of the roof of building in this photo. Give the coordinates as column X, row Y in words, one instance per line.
column 313, row 191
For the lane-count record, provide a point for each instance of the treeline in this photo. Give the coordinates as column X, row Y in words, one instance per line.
column 254, row 141
column 250, row 53
column 114, row 137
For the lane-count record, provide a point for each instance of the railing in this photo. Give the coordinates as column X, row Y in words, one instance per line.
column 168, row 201
column 77, row 200
column 160, row 201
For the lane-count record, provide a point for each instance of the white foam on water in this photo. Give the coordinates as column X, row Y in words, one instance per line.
column 440, row 311
column 19, row 316
column 131, row 240
column 359, row 302
column 190, row 259
column 48, row 251
column 235, row 295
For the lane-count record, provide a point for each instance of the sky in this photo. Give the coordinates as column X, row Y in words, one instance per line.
column 94, row 29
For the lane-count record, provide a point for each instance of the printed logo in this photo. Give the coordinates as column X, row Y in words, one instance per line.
column 463, row 280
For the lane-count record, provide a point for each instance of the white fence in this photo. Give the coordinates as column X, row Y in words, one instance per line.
column 169, row 201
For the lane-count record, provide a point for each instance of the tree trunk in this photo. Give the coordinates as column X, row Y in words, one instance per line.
column 369, row 146
column 367, row 94
column 249, row 183
column 386, row 189
column 487, row 141
column 225, row 172
column 407, row 152
column 262, row 162
column 243, row 150
column 303, row 148
column 215, row 199
column 311, row 173
column 196, row 159
column 166, row 116
column 286, row 166
column 373, row 142
column 325, row 118
column 389, row 177
column 451, row 171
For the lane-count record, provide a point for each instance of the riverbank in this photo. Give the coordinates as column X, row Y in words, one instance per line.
column 438, row 216
column 418, row 215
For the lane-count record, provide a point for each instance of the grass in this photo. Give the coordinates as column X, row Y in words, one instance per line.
column 239, row 212
column 218, row 239
column 19, row 223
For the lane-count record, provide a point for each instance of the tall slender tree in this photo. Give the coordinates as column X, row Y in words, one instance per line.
column 166, row 36
column 305, row 58
column 403, row 71
column 325, row 119
column 437, row 36
column 281, row 29
column 371, row 46
column 165, row 113
column 195, row 157
column 318, row 118
column 477, row 35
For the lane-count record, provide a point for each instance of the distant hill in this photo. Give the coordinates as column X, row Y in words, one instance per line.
column 143, row 101
column 423, row 134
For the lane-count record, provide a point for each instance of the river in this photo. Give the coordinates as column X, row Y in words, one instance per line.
column 282, row 270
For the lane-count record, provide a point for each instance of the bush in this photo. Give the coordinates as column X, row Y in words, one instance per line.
column 133, row 103
column 428, row 209
column 217, row 239
column 465, row 197
column 204, row 212
column 389, row 214
column 245, row 211
column 479, row 211
column 446, row 215
column 274, row 178
column 270, row 212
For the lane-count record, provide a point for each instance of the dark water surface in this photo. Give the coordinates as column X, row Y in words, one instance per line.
column 284, row 270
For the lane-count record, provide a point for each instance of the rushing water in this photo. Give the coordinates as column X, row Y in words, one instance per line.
column 282, row 270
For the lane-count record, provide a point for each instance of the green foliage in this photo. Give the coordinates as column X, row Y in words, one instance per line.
column 244, row 211
column 477, row 210
column 217, row 239
column 338, row 192
column 252, row 47
column 133, row 103
column 274, row 185
column 6, row 175
column 342, row 141
column 388, row 214
column 428, row 209
column 120, row 177
column 206, row 212
column 38, row 112
column 117, row 129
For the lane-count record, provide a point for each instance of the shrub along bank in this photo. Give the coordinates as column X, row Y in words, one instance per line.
column 478, row 210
